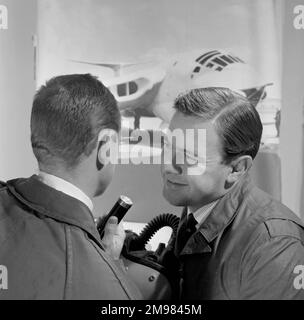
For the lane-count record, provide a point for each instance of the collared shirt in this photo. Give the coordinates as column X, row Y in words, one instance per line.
column 202, row 213
column 66, row 187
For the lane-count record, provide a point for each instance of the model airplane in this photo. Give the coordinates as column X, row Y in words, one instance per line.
column 149, row 88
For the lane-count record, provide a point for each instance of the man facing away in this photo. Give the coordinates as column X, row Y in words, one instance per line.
column 48, row 239
column 244, row 244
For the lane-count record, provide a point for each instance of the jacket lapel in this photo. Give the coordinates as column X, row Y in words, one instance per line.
column 195, row 244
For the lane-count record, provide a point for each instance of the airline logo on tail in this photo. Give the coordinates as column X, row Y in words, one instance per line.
column 214, row 60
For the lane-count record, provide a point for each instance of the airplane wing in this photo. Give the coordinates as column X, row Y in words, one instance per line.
column 112, row 65
column 106, row 64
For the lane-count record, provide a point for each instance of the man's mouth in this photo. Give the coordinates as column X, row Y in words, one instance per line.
column 175, row 183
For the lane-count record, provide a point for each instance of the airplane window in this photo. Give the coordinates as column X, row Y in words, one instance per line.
column 197, row 69
column 132, row 87
column 122, row 89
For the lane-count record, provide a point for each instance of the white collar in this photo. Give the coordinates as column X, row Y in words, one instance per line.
column 66, row 187
column 202, row 213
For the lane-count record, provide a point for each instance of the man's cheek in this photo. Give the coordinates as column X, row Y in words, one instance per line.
column 197, row 170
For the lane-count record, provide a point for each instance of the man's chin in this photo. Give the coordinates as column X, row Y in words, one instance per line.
column 173, row 199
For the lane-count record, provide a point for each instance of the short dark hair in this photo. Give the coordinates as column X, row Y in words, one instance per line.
column 236, row 120
column 68, row 113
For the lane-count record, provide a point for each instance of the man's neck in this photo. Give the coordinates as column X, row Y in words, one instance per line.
column 70, row 176
column 202, row 205
column 65, row 184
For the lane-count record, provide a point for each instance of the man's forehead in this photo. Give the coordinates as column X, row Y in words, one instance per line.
column 194, row 124
column 184, row 122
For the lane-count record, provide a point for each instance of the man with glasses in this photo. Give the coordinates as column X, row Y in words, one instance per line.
column 234, row 241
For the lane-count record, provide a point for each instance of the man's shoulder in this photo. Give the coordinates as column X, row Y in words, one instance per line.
column 20, row 221
column 263, row 215
column 285, row 228
column 2, row 184
column 6, row 202
column 272, row 212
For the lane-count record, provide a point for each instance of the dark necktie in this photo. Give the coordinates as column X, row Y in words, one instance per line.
column 187, row 231
column 191, row 223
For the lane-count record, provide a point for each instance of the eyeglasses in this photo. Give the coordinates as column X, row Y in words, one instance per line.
column 181, row 156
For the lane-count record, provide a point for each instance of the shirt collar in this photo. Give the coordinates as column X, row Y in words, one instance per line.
column 202, row 213
column 66, row 187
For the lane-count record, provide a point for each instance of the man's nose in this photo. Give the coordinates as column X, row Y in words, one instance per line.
column 169, row 165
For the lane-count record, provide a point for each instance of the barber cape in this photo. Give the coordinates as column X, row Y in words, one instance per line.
column 51, row 248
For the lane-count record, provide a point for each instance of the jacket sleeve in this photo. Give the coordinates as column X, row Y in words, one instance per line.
column 274, row 270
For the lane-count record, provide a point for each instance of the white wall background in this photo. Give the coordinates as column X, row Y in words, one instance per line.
column 17, row 87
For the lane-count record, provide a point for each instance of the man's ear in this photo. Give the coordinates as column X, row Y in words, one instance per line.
column 99, row 162
column 238, row 168
column 107, row 148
